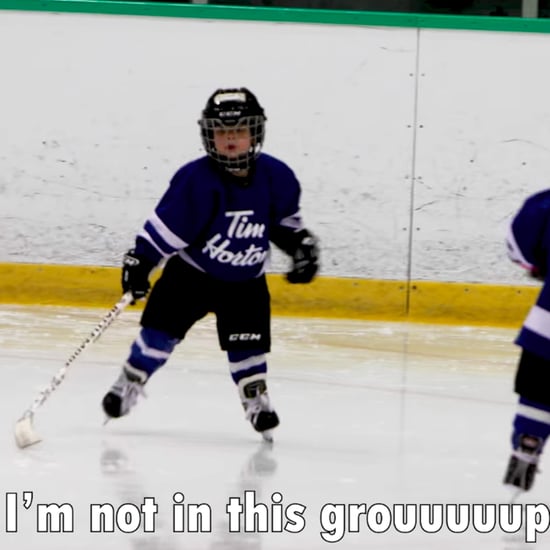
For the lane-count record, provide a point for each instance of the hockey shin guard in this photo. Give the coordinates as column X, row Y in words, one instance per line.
column 244, row 364
column 151, row 349
column 531, row 419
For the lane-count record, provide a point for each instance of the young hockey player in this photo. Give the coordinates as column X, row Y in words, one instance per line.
column 213, row 228
column 528, row 245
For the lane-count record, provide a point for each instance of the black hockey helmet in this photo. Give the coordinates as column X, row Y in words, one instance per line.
column 233, row 107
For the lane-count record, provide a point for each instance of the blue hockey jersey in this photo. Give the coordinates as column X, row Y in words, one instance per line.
column 220, row 226
column 528, row 243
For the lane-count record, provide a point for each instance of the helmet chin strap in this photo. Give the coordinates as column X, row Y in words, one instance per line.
column 237, row 171
column 240, row 174
column 237, row 164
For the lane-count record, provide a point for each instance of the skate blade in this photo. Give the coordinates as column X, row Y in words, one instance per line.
column 267, row 436
column 107, row 418
column 25, row 436
column 514, row 492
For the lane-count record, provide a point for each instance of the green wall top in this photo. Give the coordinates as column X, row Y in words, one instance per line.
column 287, row 15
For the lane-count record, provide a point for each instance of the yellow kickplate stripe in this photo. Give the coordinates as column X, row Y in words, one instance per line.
column 425, row 301
column 64, row 285
column 471, row 303
column 343, row 298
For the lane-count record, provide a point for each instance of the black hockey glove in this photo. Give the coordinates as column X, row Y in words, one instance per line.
column 305, row 259
column 135, row 275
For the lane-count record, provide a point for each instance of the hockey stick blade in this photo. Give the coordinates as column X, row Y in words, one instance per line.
column 24, row 432
column 25, row 435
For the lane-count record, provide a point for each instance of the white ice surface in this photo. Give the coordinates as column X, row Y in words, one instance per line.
column 370, row 413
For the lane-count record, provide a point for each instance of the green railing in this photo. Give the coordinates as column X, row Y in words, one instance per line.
column 287, row 15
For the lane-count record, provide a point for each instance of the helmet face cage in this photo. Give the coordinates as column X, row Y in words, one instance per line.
column 233, row 108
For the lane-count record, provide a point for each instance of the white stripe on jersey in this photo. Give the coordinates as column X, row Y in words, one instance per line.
column 514, row 252
column 143, row 234
column 533, row 413
column 169, row 237
column 186, row 258
column 293, row 222
column 538, row 321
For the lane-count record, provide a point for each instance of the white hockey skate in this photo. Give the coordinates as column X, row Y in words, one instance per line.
column 258, row 409
column 124, row 393
column 522, row 466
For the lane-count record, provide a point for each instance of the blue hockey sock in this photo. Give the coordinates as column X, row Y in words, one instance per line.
column 244, row 364
column 531, row 419
column 151, row 349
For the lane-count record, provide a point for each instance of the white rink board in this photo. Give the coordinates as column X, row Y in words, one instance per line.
column 483, row 147
column 116, row 116
column 101, row 110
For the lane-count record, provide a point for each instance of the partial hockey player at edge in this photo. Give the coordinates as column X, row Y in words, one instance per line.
column 528, row 240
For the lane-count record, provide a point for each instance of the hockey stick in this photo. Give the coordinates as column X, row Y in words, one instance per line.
column 24, row 430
